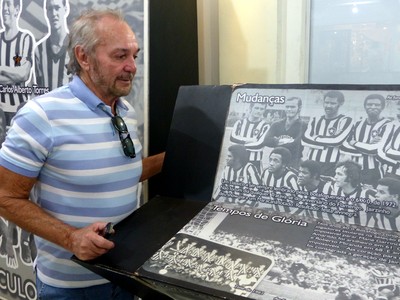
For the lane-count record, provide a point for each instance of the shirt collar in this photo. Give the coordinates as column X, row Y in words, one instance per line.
column 83, row 93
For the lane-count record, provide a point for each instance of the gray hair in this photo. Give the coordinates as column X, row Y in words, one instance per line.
column 83, row 32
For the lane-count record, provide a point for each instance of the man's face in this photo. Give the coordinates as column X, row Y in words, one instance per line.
column 346, row 293
column 331, row 106
column 275, row 163
column 304, row 176
column 383, row 194
column 229, row 159
column 292, row 109
column 340, row 176
column 10, row 13
column 257, row 111
column 112, row 67
column 301, row 276
column 373, row 107
column 56, row 13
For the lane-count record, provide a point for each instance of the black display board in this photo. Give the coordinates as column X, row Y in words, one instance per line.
column 194, row 142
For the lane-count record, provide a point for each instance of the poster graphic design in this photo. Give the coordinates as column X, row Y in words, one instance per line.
column 308, row 180
column 332, row 154
column 33, row 44
column 210, row 264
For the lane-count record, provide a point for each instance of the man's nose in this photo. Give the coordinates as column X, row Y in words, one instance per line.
column 131, row 66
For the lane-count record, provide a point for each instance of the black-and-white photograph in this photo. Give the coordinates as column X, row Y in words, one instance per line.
column 310, row 258
column 330, row 154
column 191, row 260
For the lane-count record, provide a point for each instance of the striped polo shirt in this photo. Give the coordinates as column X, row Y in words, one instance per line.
column 66, row 139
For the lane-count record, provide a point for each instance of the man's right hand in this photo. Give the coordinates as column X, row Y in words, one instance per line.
column 88, row 243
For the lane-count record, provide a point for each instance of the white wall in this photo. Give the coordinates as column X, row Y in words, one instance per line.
column 208, row 33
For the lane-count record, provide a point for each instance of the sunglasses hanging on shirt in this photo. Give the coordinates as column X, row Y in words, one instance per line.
column 124, row 136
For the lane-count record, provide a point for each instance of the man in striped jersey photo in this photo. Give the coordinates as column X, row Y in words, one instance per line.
column 279, row 175
column 16, row 59
column 250, row 132
column 325, row 134
column 388, row 194
column 51, row 52
column 364, row 140
column 238, row 175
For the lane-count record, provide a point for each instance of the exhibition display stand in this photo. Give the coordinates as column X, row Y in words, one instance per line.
column 304, row 221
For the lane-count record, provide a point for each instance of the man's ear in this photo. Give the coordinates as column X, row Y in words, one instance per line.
column 82, row 58
column 17, row 10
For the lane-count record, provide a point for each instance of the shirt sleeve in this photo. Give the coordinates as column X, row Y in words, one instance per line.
column 28, row 141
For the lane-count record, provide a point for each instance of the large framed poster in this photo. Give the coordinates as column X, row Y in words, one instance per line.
column 305, row 202
column 32, row 63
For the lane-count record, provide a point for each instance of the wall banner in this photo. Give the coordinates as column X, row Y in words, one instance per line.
column 33, row 45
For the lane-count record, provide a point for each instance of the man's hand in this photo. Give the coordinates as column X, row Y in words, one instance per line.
column 352, row 142
column 376, row 139
column 285, row 139
column 88, row 243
